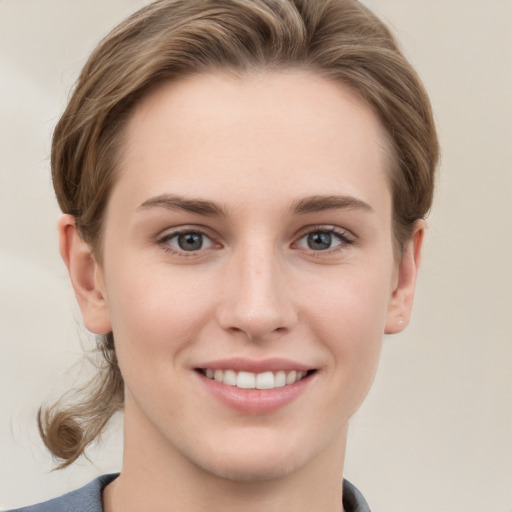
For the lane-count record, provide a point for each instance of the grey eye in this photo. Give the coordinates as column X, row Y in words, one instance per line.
column 188, row 241
column 322, row 240
column 319, row 241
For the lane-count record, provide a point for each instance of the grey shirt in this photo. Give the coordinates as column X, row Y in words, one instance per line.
column 88, row 499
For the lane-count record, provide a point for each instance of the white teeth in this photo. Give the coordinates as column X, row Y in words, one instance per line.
column 265, row 380
column 249, row 380
column 229, row 378
column 246, row 380
column 291, row 377
column 280, row 379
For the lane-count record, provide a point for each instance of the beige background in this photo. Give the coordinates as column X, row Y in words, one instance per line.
column 436, row 430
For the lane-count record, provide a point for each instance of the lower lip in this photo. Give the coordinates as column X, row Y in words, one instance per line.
column 256, row 401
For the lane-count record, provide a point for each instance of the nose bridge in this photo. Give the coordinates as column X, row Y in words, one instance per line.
column 257, row 297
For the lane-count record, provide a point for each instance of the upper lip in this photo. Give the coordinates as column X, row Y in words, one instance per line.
column 240, row 364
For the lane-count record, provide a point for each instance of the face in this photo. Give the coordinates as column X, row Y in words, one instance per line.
column 248, row 271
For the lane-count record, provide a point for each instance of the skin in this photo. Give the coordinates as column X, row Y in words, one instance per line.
column 254, row 146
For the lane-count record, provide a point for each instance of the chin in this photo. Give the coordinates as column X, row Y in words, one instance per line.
column 250, row 471
column 254, row 459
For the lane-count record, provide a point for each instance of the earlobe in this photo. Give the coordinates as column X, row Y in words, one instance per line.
column 86, row 276
column 400, row 305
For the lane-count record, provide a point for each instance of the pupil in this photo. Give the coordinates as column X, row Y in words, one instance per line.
column 190, row 241
column 319, row 241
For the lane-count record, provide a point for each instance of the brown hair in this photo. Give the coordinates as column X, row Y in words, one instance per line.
column 169, row 39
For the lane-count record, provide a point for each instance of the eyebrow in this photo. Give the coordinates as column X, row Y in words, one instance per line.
column 315, row 204
column 302, row 206
column 175, row 202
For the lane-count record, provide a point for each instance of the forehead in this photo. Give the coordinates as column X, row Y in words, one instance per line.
column 221, row 134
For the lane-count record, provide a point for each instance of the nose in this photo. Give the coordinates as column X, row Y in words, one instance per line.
column 256, row 296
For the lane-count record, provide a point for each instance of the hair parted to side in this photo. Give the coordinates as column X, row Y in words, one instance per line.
column 170, row 39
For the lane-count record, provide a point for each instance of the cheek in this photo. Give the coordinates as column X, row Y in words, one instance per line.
column 353, row 306
column 156, row 314
column 349, row 318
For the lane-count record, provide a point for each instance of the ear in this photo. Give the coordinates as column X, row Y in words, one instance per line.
column 400, row 305
column 86, row 276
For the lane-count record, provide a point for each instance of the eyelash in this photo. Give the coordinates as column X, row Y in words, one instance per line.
column 343, row 236
column 164, row 242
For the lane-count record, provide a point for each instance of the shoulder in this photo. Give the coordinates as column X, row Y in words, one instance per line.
column 88, row 499
column 85, row 499
column 353, row 500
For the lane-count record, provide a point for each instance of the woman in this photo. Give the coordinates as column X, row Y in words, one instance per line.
column 243, row 187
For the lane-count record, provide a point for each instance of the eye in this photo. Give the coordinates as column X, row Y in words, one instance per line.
column 323, row 240
column 186, row 241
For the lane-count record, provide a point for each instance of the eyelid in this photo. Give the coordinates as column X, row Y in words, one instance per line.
column 163, row 238
column 347, row 238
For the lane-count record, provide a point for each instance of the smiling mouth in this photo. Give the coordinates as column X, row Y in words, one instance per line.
column 250, row 380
